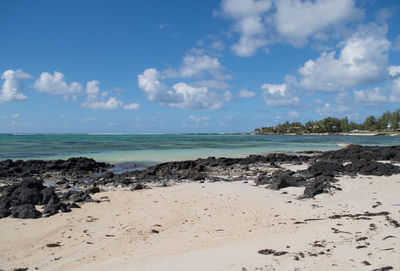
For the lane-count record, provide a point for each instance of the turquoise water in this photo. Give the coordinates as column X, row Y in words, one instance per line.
column 150, row 149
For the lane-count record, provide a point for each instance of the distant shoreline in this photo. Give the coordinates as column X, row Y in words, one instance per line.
column 325, row 134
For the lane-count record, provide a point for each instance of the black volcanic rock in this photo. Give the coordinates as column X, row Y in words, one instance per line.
column 80, row 165
column 25, row 211
column 318, row 185
column 325, row 168
column 287, row 178
column 196, row 170
column 48, row 194
column 367, row 167
column 54, row 206
column 357, row 152
column 27, row 192
column 5, row 204
column 19, row 200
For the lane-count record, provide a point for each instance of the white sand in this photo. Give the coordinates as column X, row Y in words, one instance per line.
column 212, row 226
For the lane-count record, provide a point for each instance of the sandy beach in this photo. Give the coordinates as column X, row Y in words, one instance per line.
column 215, row 226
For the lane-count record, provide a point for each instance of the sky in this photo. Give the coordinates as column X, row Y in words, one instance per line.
column 177, row 66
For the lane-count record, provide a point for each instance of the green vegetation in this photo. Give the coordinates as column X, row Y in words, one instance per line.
column 388, row 122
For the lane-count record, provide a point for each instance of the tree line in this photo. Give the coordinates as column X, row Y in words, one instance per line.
column 388, row 121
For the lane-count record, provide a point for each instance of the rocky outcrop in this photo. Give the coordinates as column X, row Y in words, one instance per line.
column 75, row 179
column 73, row 166
column 19, row 199
column 357, row 152
column 319, row 177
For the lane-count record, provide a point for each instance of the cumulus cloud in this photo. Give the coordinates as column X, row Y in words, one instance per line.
column 195, row 65
column 13, row 85
column 248, row 22
column 55, row 84
column 369, row 97
column 94, row 102
column 181, row 95
column 155, row 91
column 244, row 93
column 208, row 89
column 189, row 97
column 297, row 20
column 260, row 22
column 132, row 106
column 279, row 95
column 148, row 81
column 362, row 60
column 394, row 71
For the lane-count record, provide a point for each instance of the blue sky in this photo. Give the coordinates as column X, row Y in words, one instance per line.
column 194, row 66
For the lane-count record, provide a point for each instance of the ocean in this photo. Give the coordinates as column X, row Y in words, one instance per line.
column 151, row 149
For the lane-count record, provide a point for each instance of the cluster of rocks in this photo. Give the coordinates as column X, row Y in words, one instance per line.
column 74, row 179
column 200, row 169
column 319, row 177
column 359, row 153
column 75, row 166
column 22, row 186
column 20, row 199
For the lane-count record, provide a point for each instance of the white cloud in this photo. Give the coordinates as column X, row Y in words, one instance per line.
column 369, row 97
column 394, row 71
column 132, row 106
column 55, row 84
column 15, row 116
column 261, row 22
column 244, row 93
column 279, row 95
column 155, row 91
column 148, row 81
column 111, row 103
column 189, row 97
column 13, row 85
column 248, row 22
column 297, row 20
column 196, row 66
column 181, row 95
column 93, row 101
column 362, row 60
column 208, row 91
column 252, row 37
